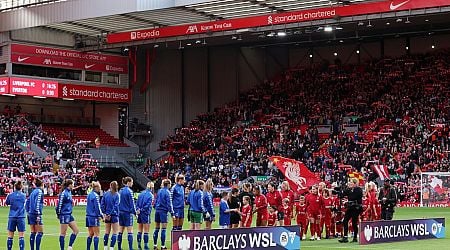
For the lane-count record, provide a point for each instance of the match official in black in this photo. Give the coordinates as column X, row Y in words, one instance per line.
column 388, row 200
column 354, row 195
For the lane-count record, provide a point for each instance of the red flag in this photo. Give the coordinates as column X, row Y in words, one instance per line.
column 382, row 171
column 358, row 176
column 295, row 172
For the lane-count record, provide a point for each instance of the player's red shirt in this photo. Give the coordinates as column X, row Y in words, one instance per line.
column 300, row 211
column 273, row 217
column 287, row 215
column 327, row 206
column 314, row 203
column 288, row 194
column 274, row 198
column 247, row 216
column 261, row 204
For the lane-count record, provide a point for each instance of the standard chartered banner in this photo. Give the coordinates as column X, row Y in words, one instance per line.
column 287, row 237
column 372, row 232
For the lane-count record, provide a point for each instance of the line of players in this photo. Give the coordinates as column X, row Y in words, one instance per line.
column 320, row 209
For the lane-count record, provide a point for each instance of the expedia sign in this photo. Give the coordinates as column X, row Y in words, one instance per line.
column 372, row 232
column 287, row 237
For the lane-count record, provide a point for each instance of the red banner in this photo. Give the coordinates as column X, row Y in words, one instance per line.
column 52, row 201
column 4, row 85
column 58, row 58
column 33, row 87
column 275, row 19
column 96, row 93
column 296, row 173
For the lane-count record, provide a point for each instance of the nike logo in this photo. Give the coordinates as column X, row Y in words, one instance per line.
column 396, row 6
column 21, row 59
column 88, row 66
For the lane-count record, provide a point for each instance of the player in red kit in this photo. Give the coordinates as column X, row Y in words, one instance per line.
column 327, row 213
column 314, row 204
column 260, row 207
column 246, row 213
column 273, row 216
column 274, row 197
column 365, row 208
column 287, row 211
column 338, row 216
column 373, row 204
column 285, row 192
column 302, row 218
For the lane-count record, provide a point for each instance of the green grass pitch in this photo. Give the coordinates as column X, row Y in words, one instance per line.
column 50, row 240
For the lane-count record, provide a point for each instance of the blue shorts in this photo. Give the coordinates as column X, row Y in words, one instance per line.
column 125, row 219
column 160, row 217
column 66, row 219
column 33, row 219
column 92, row 221
column 143, row 219
column 16, row 223
column 179, row 213
column 113, row 219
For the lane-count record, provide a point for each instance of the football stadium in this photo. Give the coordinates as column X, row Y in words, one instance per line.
column 224, row 124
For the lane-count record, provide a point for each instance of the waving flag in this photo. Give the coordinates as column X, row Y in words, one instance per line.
column 295, row 172
column 382, row 171
column 358, row 176
column 436, row 184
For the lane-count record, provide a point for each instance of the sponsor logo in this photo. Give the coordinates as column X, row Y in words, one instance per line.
column 88, row 66
column 192, row 29
column 65, row 91
column 284, row 239
column 113, row 68
column 269, row 20
column 396, row 6
column 22, row 59
column 47, row 61
column 368, row 233
column 184, row 243
column 133, row 35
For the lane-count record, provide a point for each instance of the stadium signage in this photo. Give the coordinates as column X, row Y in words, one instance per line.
column 372, row 232
column 84, row 92
column 59, row 58
column 52, row 201
column 33, row 87
column 274, row 19
column 274, row 238
column 4, row 85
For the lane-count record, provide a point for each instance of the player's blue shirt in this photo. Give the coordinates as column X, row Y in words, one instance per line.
column 93, row 208
column 16, row 203
column 35, row 202
column 65, row 203
column 177, row 196
column 196, row 201
column 224, row 218
column 145, row 201
column 208, row 203
column 110, row 203
column 126, row 204
column 164, row 201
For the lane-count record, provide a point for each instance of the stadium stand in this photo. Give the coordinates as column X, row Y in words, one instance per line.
column 399, row 104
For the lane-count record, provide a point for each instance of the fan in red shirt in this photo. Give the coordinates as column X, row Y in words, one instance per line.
column 260, row 207
column 327, row 213
column 287, row 211
column 302, row 219
column 314, row 204
column 285, row 192
column 273, row 216
column 246, row 220
column 373, row 204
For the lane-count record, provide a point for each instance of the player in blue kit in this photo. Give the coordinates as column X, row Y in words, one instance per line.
column 210, row 215
column 163, row 205
column 127, row 208
column 93, row 216
column 110, row 207
column 34, row 206
column 178, row 202
column 196, row 208
column 64, row 214
column 16, row 219
column 144, row 206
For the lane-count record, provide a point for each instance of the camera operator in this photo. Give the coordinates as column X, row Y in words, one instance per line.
column 388, row 200
column 354, row 195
